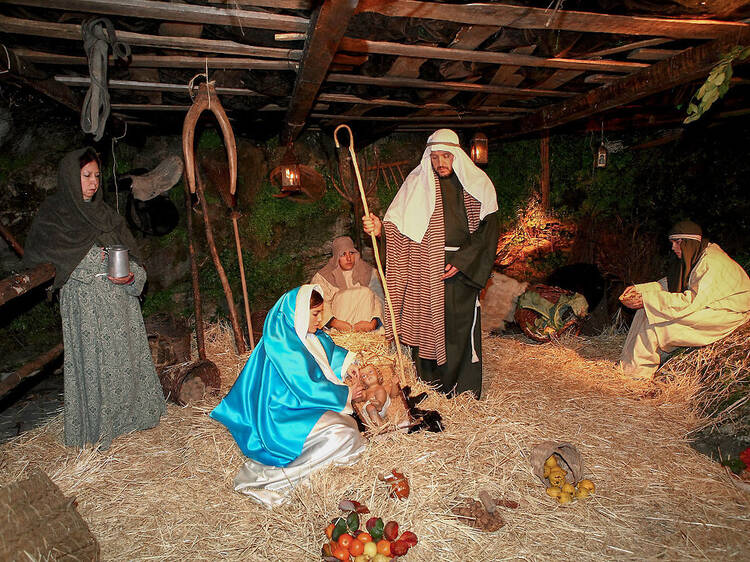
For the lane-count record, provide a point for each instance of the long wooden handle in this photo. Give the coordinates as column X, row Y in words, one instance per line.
column 374, row 242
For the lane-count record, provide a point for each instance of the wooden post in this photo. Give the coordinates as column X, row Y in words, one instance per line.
column 197, row 304
column 544, row 181
column 238, row 339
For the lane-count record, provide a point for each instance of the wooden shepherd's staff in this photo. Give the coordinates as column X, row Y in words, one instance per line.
column 374, row 241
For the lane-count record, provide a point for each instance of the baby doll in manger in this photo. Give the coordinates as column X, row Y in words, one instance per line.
column 373, row 406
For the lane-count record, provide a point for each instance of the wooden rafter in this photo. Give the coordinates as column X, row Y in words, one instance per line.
column 73, row 32
column 506, row 75
column 85, row 81
column 328, row 26
column 159, row 61
column 560, row 77
column 522, row 17
column 278, row 4
column 456, row 86
column 685, row 67
column 416, row 118
column 422, row 51
column 193, row 13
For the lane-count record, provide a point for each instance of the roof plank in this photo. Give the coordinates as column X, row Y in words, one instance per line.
column 689, row 65
column 523, row 17
column 73, row 32
column 394, row 81
column 194, row 13
column 159, row 61
column 328, row 25
column 423, row 51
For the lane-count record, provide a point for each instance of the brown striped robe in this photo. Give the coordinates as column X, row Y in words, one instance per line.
column 413, row 272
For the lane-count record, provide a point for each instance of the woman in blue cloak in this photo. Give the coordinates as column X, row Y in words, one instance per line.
column 289, row 409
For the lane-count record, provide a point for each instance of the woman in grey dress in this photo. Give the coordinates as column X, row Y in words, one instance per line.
column 111, row 386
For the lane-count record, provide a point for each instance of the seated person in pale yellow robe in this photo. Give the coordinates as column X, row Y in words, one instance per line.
column 351, row 289
column 704, row 300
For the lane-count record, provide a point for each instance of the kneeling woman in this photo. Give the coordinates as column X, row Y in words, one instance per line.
column 289, row 408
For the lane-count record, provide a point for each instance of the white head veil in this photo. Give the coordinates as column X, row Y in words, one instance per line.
column 414, row 203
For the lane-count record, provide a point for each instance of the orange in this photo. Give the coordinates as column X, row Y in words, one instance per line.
column 357, row 547
column 364, row 536
column 329, row 531
column 340, row 552
column 384, row 547
column 345, row 540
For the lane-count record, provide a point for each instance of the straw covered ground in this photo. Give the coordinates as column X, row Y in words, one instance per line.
column 167, row 493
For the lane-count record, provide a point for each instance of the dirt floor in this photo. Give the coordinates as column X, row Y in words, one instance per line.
column 166, row 493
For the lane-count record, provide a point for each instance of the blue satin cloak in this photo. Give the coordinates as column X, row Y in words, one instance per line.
column 281, row 392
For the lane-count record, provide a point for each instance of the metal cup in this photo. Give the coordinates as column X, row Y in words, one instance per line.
column 118, row 265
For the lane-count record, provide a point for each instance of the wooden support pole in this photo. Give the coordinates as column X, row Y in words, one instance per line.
column 197, row 303
column 238, row 339
column 30, row 369
column 20, row 283
column 544, row 182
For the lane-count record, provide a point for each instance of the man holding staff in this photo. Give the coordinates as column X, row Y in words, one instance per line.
column 441, row 237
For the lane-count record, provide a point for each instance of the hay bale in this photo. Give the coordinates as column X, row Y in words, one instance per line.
column 716, row 377
column 40, row 523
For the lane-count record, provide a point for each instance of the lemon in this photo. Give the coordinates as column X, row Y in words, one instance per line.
column 546, row 472
column 588, row 484
column 553, row 492
column 568, row 488
column 557, row 477
column 550, row 462
column 565, row 498
column 582, row 493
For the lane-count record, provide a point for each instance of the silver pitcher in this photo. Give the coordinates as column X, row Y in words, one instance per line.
column 118, row 263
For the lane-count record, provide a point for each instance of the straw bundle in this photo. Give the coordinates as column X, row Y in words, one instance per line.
column 717, row 376
column 166, row 493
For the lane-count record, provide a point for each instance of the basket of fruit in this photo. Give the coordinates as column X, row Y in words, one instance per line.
column 377, row 542
column 560, row 468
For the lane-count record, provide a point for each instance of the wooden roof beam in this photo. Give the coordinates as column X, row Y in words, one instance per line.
column 523, row 17
column 193, row 13
column 140, row 86
column 689, row 65
column 328, row 26
column 422, row 51
column 73, row 32
column 158, row 61
column 388, row 81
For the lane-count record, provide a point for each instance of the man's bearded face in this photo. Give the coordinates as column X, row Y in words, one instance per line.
column 442, row 162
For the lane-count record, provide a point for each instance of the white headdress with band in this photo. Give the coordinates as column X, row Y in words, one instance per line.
column 696, row 237
column 414, row 203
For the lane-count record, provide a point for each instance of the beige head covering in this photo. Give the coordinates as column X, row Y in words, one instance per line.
column 414, row 203
column 332, row 272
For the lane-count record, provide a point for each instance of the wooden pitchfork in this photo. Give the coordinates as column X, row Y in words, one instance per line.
column 374, row 242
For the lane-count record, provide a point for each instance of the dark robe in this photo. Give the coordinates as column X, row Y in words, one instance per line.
column 474, row 260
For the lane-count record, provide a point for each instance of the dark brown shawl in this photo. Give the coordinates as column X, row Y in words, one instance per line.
column 66, row 226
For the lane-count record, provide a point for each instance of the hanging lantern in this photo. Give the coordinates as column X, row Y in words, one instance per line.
column 601, row 156
column 479, row 148
column 290, row 173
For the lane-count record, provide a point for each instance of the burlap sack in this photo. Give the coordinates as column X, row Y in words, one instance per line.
column 568, row 458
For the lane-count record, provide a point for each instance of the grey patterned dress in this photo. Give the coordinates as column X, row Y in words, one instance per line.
column 111, row 386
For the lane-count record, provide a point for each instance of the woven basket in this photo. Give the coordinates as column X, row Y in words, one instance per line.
column 525, row 317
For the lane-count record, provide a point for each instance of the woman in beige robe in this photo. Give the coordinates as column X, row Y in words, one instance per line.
column 705, row 301
column 351, row 289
